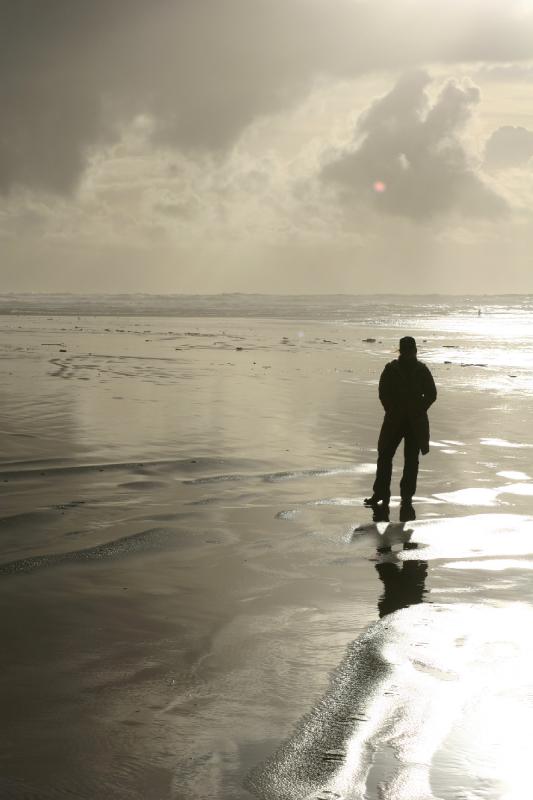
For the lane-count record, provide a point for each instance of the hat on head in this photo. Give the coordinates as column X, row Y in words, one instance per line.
column 407, row 344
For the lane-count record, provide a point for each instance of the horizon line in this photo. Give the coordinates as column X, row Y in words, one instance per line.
column 262, row 294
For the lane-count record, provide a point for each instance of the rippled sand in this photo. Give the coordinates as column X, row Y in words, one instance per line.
column 196, row 604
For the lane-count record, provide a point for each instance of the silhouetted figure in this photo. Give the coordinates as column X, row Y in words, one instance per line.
column 405, row 586
column 406, row 391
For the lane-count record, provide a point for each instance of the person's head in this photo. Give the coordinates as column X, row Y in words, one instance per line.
column 407, row 347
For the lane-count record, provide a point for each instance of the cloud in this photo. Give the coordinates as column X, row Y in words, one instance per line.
column 509, row 146
column 74, row 73
column 516, row 72
column 407, row 158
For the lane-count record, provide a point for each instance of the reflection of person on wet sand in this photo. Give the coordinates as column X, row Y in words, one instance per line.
column 406, row 391
column 404, row 585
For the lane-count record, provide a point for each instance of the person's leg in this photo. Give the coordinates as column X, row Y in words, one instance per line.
column 389, row 439
column 410, row 467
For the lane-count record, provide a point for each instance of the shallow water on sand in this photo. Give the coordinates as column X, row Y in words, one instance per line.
column 195, row 603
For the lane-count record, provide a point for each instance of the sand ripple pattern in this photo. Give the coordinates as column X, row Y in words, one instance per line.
column 153, row 539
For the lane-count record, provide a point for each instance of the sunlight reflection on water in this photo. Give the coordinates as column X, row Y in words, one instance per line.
column 444, row 679
column 474, row 535
column 502, row 362
column 509, row 326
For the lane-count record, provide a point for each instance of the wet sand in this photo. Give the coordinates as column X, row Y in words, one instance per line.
column 195, row 602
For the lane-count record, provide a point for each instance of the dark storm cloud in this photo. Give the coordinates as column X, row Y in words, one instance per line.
column 52, row 96
column 509, row 146
column 74, row 71
column 408, row 150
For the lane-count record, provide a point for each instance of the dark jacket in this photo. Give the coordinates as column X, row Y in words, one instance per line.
column 406, row 391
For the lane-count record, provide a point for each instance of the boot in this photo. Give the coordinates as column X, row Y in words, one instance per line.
column 376, row 500
column 407, row 512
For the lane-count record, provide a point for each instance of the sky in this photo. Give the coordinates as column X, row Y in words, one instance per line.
column 277, row 146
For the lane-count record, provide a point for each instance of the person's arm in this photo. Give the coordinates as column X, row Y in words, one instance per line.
column 385, row 389
column 430, row 390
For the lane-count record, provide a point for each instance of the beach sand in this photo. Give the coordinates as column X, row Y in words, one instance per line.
column 191, row 589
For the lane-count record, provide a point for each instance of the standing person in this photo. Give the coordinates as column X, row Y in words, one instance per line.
column 406, row 391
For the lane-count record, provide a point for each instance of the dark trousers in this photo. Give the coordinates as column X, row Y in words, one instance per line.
column 390, row 437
